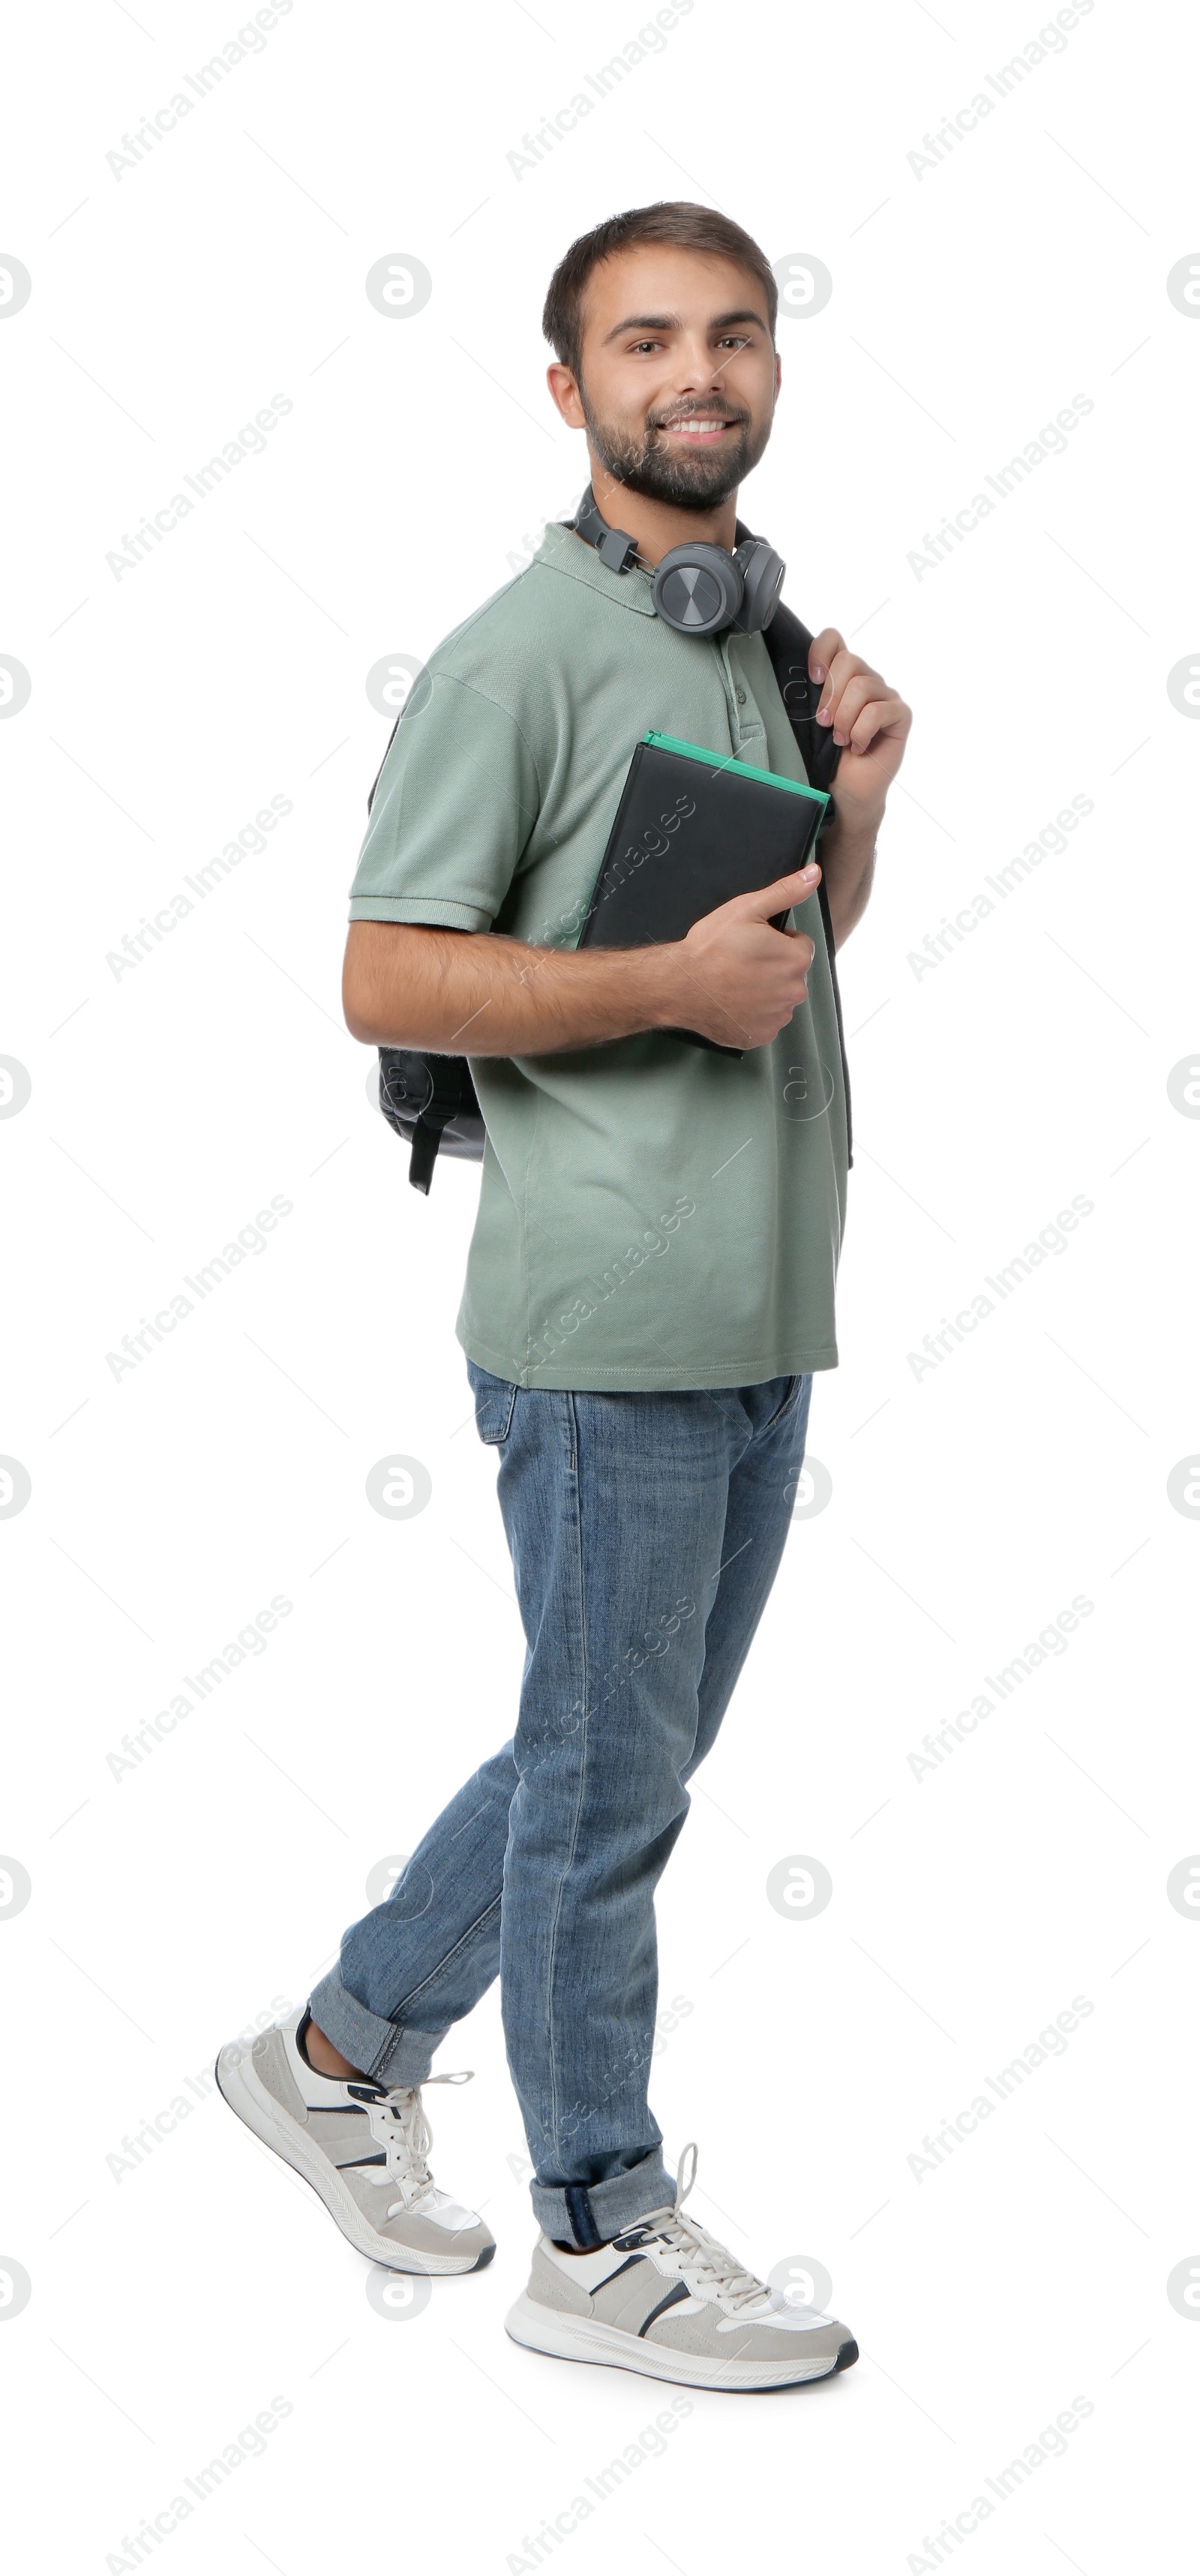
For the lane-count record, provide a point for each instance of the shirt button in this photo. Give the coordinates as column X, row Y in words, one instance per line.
column 740, row 695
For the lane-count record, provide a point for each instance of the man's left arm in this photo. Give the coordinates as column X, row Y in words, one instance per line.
column 871, row 724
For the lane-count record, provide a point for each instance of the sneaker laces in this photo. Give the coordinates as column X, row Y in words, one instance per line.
column 398, row 2124
column 699, row 2258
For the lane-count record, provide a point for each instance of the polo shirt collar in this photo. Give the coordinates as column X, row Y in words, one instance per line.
column 562, row 551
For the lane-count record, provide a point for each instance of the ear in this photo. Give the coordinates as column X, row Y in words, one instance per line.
column 565, row 395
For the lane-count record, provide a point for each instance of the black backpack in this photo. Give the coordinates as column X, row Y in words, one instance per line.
column 430, row 1099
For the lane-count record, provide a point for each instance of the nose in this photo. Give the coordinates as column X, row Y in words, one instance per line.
column 700, row 370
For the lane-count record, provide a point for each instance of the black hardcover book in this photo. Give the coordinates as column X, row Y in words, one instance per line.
column 691, row 831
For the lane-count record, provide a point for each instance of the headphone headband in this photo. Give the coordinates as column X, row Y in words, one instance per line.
column 612, row 545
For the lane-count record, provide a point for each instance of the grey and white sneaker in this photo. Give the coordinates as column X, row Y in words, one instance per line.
column 665, row 2298
column 362, row 2146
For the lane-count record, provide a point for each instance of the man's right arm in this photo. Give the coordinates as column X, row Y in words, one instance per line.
column 451, row 992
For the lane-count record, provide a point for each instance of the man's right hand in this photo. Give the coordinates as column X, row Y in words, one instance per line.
column 739, row 980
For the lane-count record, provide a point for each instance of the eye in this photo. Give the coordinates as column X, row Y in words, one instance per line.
column 639, row 345
column 735, row 340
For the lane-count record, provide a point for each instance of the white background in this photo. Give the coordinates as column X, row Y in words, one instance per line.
column 172, row 1904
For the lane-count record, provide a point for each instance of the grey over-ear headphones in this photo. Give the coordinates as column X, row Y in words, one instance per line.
column 698, row 589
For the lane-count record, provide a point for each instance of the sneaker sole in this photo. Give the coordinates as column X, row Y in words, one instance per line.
column 569, row 2338
column 249, row 2100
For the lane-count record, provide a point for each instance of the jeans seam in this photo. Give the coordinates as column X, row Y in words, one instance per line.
column 464, row 1938
column 578, row 2202
column 583, row 1751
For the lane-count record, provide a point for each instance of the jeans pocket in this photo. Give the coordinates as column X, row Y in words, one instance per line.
column 494, row 1401
column 790, row 1401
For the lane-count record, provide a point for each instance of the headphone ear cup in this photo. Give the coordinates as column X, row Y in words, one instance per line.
column 697, row 589
column 762, row 573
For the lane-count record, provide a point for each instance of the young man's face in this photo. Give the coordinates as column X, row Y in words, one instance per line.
column 678, row 375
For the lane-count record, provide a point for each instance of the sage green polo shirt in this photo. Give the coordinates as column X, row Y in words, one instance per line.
column 651, row 1215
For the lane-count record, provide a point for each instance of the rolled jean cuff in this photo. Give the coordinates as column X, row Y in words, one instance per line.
column 387, row 2051
column 589, row 2214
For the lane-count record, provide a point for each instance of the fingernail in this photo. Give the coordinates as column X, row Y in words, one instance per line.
column 841, row 737
column 824, row 715
column 819, row 672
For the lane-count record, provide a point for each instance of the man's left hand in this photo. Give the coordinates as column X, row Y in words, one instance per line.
column 868, row 721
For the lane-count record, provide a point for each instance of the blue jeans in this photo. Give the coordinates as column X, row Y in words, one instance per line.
column 645, row 1533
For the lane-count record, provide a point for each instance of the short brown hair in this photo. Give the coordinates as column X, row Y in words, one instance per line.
column 681, row 225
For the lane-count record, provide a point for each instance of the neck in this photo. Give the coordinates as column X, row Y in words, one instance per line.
column 659, row 525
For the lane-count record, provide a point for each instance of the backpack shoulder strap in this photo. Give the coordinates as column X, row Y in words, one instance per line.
column 379, row 772
column 445, row 1098
column 788, row 644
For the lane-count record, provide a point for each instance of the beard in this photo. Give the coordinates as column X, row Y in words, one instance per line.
column 699, row 482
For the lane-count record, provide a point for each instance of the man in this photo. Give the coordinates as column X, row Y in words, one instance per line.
column 649, row 1289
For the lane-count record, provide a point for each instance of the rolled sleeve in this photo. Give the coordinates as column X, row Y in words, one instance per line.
column 424, row 908
column 456, row 801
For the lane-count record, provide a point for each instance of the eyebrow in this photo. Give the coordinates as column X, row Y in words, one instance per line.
column 673, row 322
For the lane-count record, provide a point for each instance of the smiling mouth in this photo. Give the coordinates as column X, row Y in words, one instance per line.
column 699, row 427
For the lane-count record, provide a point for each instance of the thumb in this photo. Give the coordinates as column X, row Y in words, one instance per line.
column 780, row 897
